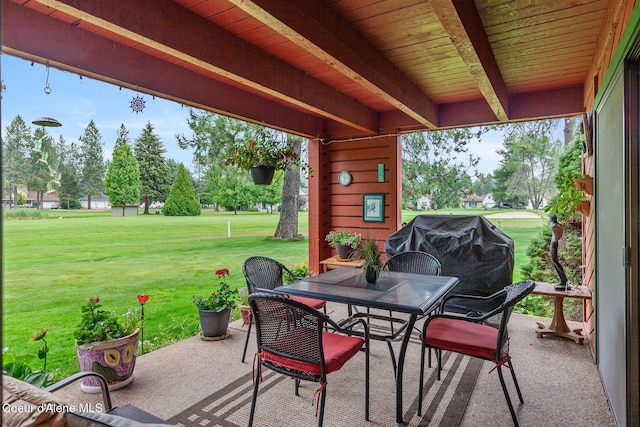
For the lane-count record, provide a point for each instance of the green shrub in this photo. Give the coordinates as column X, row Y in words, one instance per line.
column 182, row 200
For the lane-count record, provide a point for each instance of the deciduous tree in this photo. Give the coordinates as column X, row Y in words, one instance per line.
column 123, row 178
column 433, row 164
column 529, row 161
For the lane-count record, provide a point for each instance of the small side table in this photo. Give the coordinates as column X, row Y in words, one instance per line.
column 336, row 262
column 559, row 325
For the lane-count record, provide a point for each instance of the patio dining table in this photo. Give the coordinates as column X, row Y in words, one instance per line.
column 412, row 294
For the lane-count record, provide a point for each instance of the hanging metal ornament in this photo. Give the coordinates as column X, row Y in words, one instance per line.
column 47, row 88
column 137, row 104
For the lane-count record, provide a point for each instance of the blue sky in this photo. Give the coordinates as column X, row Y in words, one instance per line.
column 74, row 102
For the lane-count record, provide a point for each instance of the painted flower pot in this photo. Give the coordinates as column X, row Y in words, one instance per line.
column 113, row 359
column 262, row 175
column 214, row 323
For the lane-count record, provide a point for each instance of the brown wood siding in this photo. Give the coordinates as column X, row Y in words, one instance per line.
column 341, row 207
column 618, row 16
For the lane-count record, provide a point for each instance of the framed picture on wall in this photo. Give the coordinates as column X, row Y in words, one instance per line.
column 373, row 207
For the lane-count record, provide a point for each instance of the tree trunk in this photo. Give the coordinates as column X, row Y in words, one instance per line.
column 288, row 224
column 145, row 200
column 569, row 126
column 89, row 201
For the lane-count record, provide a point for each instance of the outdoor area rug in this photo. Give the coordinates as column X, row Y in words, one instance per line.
column 277, row 405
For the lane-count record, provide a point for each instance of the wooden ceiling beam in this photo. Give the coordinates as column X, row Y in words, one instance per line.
column 33, row 36
column 544, row 104
column 462, row 22
column 312, row 25
column 166, row 27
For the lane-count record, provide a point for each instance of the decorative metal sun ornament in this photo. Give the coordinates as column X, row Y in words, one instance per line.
column 137, row 104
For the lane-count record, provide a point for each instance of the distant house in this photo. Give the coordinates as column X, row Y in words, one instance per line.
column 424, row 203
column 472, row 201
column 488, row 201
column 97, row 202
column 49, row 201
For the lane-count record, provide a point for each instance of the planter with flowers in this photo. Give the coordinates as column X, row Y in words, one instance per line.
column 262, row 155
column 215, row 309
column 107, row 344
column 344, row 241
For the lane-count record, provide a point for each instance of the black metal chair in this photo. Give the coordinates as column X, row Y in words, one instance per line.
column 416, row 262
column 265, row 274
column 468, row 335
column 292, row 340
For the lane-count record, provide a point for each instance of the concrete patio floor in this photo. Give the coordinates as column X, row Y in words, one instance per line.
column 559, row 381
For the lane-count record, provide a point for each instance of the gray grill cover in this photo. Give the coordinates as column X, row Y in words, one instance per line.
column 468, row 247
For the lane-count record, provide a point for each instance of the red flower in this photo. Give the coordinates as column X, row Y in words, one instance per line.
column 143, row 298
column 222, row 272
column 214, row 294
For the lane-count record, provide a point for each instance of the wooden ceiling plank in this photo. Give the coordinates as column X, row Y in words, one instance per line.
column 462, row 22
column 72, row 49
column 312, row 25
column 211, row 48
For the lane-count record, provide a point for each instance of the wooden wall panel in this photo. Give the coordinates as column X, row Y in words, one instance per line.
column 341, row 207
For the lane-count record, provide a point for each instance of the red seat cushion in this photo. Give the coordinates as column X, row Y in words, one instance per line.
column 463, row 337
column 337, row 350
column 315, row 303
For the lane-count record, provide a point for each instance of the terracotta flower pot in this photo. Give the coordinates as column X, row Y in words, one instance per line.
column 245, row 310
column 113, row 359
column 583, row 207
column 584, row 184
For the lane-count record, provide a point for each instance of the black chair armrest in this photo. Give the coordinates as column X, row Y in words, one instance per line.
column 491, row 297
column 104, row 387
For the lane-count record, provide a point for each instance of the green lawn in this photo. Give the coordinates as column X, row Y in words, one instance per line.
column 51, row 266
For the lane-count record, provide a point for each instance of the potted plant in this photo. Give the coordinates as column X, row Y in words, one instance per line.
column 372, row 256
column 215, row 309
column 243, row 305
column 344, row 241
column 262, row 155
column 106, row 344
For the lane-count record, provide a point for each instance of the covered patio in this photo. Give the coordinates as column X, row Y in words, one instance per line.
column 558, row 379
column 352, row 76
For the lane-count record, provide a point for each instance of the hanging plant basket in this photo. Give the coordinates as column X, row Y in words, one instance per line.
column 262, row 175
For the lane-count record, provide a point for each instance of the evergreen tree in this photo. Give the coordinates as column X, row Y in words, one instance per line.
column 182, row 199
column 122, row 137
column 69, row 190
column 44, row 167
column 92, row 158
column 123, row 178
column 15, row 149
column 155, row 176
